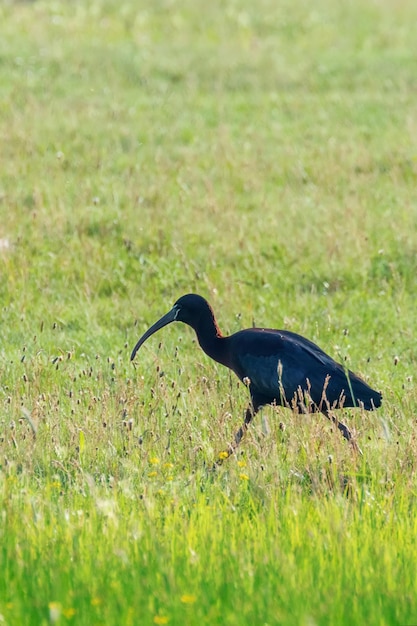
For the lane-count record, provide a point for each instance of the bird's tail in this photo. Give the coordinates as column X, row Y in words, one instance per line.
column 361, row 394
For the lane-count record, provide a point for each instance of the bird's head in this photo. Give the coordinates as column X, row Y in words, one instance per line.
column 188, row 309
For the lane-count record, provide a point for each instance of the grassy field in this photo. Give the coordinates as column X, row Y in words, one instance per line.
column 263, row 155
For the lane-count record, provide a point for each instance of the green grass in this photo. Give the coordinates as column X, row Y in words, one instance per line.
column 263, row 155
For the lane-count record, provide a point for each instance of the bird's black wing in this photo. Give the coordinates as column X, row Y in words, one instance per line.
column 280, row 364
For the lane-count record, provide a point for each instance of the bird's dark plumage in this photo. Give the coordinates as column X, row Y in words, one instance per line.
column 279, row 366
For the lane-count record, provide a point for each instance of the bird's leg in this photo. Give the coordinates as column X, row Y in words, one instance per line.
column 343, row 429
column 341, row 426
column 325, row 408
column 250, row 412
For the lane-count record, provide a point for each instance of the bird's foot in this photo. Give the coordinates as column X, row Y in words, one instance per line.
column 355, row 447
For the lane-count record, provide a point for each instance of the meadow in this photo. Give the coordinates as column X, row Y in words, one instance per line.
column 263, row 155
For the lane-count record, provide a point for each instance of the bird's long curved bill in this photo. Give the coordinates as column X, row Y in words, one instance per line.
column 171, row 316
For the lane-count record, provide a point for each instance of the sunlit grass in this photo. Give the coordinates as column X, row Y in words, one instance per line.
column 262, row 155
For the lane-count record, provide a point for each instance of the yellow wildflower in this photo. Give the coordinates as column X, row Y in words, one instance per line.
column 243, row 477
column 188, row 598
column 160, row 619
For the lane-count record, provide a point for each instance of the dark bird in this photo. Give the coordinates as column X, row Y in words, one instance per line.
column 278, row 366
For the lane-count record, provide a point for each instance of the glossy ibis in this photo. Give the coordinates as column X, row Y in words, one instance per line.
column 278, row 366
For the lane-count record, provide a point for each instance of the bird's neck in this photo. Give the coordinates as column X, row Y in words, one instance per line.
column 211, row 339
